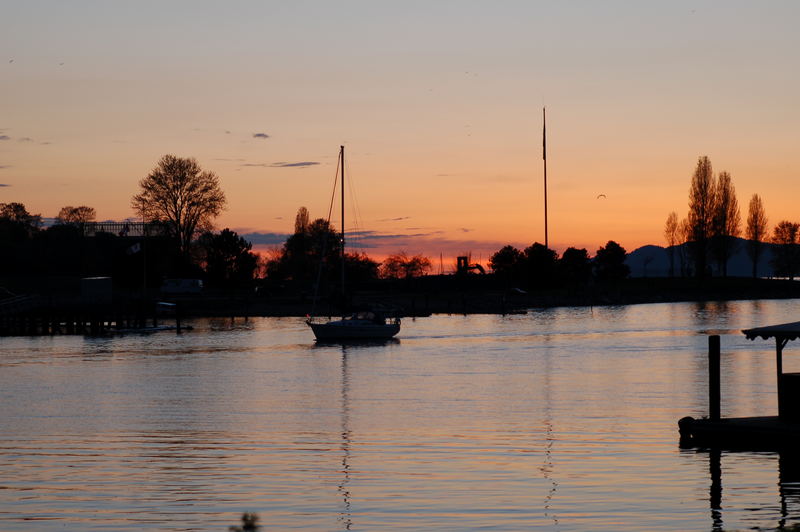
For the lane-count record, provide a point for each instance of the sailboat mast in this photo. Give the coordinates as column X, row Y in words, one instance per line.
column 544, row 158
column 341, row 155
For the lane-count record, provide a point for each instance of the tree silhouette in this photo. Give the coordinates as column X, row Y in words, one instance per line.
column 609, row 262
column 183, row 196
column 229, row 260
column 540, row 264
column 507, row 262
column 786, row 258
column 401, row 266
column 75, row 215
column 756, row 231
column 701, row 213
column 671, row 234
column 575, row 266
column 726, row 222
column 304, row 251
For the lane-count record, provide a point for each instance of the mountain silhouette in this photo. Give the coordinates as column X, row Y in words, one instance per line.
column 653, row 261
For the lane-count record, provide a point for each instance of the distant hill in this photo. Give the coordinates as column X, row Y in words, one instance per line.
column 653, row 261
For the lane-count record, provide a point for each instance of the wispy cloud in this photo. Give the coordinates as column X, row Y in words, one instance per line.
column 265, row 239
column 465, row 230
column 4, row 166
column 5, row 137
column 260, row 136
column 4, row 185
column 399, row 219
column 302, row 164
column 24, row 139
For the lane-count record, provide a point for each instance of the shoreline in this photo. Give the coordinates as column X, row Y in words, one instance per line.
column 421, row 300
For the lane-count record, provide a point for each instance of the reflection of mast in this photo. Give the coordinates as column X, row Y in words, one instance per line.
column 715, row 490
column 344, row 516
column 547, row 465
column 544, row 159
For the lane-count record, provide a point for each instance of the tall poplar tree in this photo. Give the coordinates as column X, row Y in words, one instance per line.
column 701, row 213
column 756, row 231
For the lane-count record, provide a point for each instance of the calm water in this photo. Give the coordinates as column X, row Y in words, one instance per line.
column 560, row 419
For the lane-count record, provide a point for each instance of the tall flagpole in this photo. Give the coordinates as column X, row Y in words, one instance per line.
column 544, row 158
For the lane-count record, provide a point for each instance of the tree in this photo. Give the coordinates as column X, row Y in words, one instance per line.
column 507, row 262
column 304, row 251
column 756, row 231
column 575, row 266
column 76, row 215
column 725, row 222
column 684, row 236
column 16, row 222
column 183, row 196
column 787, row 255
column 228, row 258
column 401, row 266
column 671, row 234
column 701, row 213
column 540, row 264
column 609, row 262
column 301, row 220
column 359, row 268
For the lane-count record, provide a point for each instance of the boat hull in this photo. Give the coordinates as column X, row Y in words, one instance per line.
column 354, row 330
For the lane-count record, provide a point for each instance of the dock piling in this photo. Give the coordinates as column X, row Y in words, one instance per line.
column 713, row 377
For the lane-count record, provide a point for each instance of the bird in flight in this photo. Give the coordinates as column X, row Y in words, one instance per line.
column 601, row 196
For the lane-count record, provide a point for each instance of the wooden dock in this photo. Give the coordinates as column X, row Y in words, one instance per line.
column 749, row 433
column 767, row 433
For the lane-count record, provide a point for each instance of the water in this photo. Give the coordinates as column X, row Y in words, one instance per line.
column 562, row 419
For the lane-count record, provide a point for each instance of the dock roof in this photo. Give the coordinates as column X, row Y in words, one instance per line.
column 783, row 331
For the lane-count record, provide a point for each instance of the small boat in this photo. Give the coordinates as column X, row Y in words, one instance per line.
column 365, row 325
column 359, row 326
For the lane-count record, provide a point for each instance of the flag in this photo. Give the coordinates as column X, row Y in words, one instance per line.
column 136, row 248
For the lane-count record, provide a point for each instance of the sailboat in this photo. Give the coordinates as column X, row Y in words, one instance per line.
column 365, row 325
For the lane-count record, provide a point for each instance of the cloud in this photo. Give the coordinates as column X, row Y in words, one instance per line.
column 4, row 185
column 374, row 239
column 260, row 136
column 25, row 139
column 465, row 230
column 5, row 137
column 4, row 166
column 227, row 131
column 301, row 164
column 401, row 218
column 265, row 239
column 45, row 143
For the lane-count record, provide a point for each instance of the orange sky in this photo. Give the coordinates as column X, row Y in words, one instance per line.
column 439, row 107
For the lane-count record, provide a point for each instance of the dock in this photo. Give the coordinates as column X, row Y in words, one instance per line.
column 749, row 433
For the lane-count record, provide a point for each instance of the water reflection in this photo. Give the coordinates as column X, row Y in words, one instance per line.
column 787, row 498
column 562, row 419
column 345, row 516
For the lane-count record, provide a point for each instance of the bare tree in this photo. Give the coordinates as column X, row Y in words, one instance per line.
column 183, row 196
column 726, row 222
column 671, row 235
column 756, row 231
column 76, row 215
column 701, row 213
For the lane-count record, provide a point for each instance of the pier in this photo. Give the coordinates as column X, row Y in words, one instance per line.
column 751, row 433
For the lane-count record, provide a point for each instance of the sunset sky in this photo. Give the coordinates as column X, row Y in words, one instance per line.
column 439, row 105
